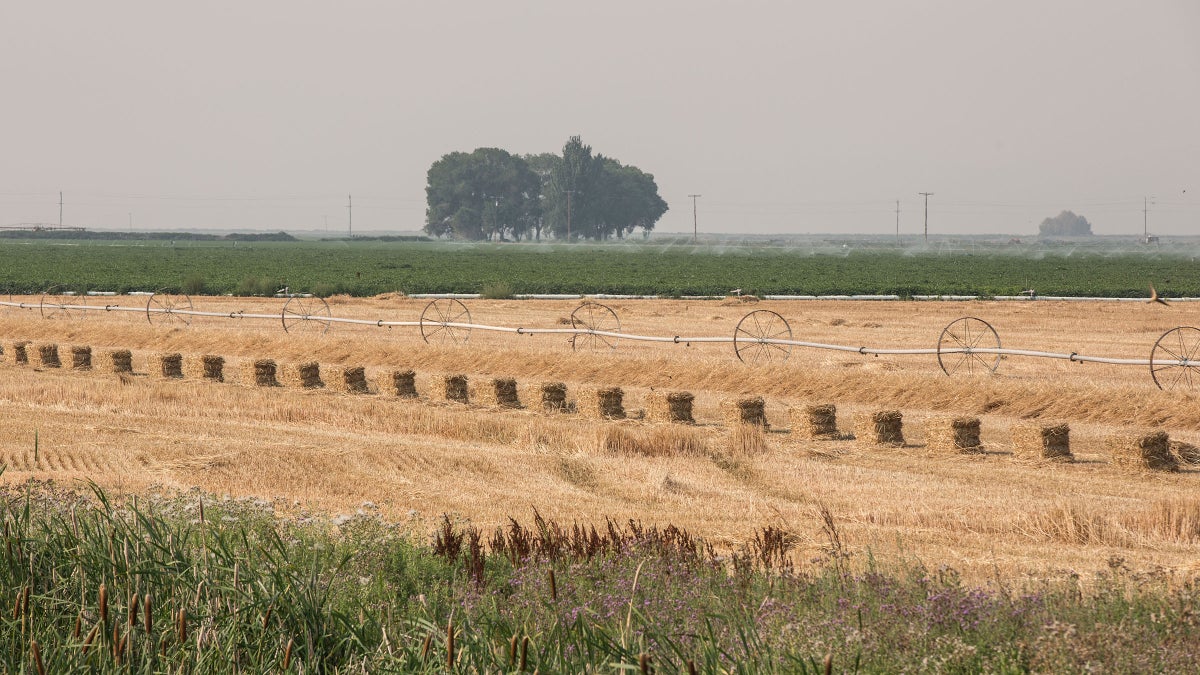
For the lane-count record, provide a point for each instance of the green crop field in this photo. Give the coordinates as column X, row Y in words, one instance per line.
column 364, row 268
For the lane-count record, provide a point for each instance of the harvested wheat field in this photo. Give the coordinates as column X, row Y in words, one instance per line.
column 985, row 513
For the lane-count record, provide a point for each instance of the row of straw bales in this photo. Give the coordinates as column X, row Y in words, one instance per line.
column 1031, row 440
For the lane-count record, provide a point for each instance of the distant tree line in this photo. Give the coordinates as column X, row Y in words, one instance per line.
column 142, row 236
column 493, row 194
column 1065, row 224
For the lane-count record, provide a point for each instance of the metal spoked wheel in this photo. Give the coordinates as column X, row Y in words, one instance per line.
column 305, row 315
column 59, row 303
column 957, row 347
column 436, row 320
column 162, row 308
column 755, row 336
column 1173, row 358
column 595, row 318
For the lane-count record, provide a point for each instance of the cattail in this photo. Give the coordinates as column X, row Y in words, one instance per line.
column 553, row 587
column 148, row 615
column 78, row 625
column 91, row 636
column 267, row 616
column 103, row 604
column 691, row 666
column 512, row 651
column 116, row 643
column 644, row 663
column 450, row 645
column 133, row 610
column 829, row 663
column 37, row 657
column 25, row 596
column 425, row 647
column 524, row 653
column 287, row 654
column 181, row 625
column 202, row 509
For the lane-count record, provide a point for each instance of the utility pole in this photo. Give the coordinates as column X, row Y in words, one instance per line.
column 350, row 215
column 60, row 209
column 1146, row 202
column 927, row 195
column 695, row 230
column 569, row 193
column 897, row 221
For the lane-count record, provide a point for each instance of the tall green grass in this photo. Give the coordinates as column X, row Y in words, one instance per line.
column 188, row 583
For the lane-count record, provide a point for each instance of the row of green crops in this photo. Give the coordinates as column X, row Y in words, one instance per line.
column 370, row 268
column 186, row 583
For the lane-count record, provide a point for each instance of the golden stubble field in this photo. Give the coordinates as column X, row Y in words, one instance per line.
column 986, row 515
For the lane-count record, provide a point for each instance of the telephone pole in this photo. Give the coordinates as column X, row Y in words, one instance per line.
column 60, row 209
column 927, row 195
column 1146, row 202
column 897, row 221
column 350, row 215
column 695, row 230
column 569, row 193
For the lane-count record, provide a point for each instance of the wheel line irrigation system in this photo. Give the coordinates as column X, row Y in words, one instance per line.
column 967, row 345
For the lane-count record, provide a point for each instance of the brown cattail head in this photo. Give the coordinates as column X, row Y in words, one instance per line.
column 78, row 625
column 37, row 657
column 267, row 616
column 450, row 645
column 524, row 654
column 287, row 653
column 425, row 646
column 553, row 587
column 148, row 614
column 181, row 624
column 829, row 663
column 103, row 601
column 133, row 610
column 644, row 663
column 512, row 652
column 91, row 636
column 691, row 667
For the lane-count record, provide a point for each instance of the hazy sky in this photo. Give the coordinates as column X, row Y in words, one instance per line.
column 787, row 117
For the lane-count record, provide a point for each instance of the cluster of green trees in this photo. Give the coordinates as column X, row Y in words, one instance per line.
column 1065, row 224
column 493, row 194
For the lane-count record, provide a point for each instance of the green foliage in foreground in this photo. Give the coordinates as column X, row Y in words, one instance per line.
column 371, row 268
column 183, row 584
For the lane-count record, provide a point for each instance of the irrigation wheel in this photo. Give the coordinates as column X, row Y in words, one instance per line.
column 161, row 308
column 1174, row 356
column 958, row 343
column 59, row 303
column 305, row 315
column 594, row 318
column 436, row 320
column 754, row 335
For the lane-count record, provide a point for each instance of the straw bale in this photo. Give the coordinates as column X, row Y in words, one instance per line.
column 499, row 392
column 1042, row 440
column 952, row 435
column 305, row 375
column 115, row 361
column 404, row 383
column 670, row 406
column 1186, row 453
column 81, row 357
column 455, row 388
column 20, row 352
column 745, row 411
column 48, row 355
column 882, row 427
column 258, row 373
column 1142, row 452
column 209, row 367
column 347, row 379
column 553, row 396
column 170, row 365
column 814, row 422
column 602, row 403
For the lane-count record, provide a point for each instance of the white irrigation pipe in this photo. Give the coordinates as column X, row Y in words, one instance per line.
column 1072, row 356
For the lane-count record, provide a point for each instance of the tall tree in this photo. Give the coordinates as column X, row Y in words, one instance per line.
column 485, row 194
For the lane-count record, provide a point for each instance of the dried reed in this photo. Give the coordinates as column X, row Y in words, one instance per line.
column 455, row 388
column 1042, row 441
column 670, row 406
column 602, row 403
column 952, row 435
column 404, row 383
column 1142, row 452
column 302, row 375
column 745, row 411
column 81, row 357
column 48, row 355
column 882, row 427
column 814, row 422
column 169, row 365
column 497, row 392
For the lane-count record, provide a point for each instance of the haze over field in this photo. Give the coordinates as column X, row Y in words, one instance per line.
column 785, row 118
